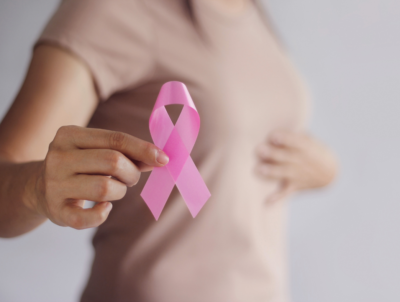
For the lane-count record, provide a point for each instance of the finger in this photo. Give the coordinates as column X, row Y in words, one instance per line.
column 272, row 154
column 287, row 139
column 78, row 218
column 275, row 172
column 143, row 167
column 105, row 162
column 282, row 191
column 133, row 147
column 93, row 187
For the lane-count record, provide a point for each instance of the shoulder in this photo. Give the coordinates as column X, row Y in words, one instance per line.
column 110, row 36
column 102, row 22
column 97, row 16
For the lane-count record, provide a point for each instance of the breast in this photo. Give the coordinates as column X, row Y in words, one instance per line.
column 250, row 87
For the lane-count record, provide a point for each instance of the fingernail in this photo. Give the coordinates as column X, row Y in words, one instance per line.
column 162, row 158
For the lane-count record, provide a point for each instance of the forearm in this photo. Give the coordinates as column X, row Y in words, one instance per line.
column 18, row 183
column 58, row 90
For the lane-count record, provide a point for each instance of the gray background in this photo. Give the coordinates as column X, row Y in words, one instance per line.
column 343, row 240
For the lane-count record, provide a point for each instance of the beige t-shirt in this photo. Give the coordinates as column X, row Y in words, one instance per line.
column 243, row 87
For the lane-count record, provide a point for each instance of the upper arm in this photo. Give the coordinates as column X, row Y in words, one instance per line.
column 58, row 90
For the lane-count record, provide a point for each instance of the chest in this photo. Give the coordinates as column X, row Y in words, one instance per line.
column 239, row 77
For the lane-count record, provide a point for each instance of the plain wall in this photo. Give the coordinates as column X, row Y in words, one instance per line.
column 343, row 240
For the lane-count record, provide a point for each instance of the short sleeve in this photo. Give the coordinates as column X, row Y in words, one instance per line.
column 113, row 38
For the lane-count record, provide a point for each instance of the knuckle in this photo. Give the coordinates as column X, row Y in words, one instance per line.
column 117, row 140
column 122, row 192
column 77, row 222
column 104, row 188
column 136, row 177
column 53, row 146
column 148, row 150
column 52, row 170
column 102, row 216
column 56, row 144
column 53, row 159
column 63, row 130
column 64, row 133
column 115, row 161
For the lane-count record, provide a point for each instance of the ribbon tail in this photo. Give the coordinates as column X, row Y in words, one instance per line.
column 157, row 190
column 192, row 187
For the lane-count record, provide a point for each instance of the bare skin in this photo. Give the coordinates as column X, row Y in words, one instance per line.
column 230, row 6
column 297, row 160
column 48, row 169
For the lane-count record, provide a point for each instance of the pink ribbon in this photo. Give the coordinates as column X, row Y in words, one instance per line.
column 177, row 142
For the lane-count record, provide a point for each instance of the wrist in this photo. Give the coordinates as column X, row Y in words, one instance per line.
column 33, row 188
column 18, row 202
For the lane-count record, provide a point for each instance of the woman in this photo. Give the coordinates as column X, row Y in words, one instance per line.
column 101, row 63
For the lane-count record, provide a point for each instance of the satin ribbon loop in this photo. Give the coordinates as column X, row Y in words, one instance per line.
column 177, row 141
